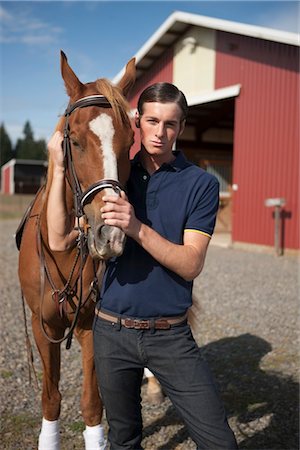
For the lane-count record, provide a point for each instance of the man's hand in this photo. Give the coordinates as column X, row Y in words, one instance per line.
column 56, row 151
column 118, row 212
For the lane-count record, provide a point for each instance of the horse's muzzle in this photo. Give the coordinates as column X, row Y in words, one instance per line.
column 105, row 241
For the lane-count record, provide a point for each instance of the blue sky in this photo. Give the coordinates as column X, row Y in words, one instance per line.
column 99, row 38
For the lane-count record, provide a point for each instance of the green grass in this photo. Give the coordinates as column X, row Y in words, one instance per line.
column 77, row 427
column 6, row 373
column 19, row 431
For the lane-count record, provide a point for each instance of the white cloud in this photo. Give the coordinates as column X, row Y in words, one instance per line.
column 4, row 15
column 21, row 27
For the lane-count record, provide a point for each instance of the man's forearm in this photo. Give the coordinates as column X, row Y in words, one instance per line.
column 185, row 260
column 60, row 223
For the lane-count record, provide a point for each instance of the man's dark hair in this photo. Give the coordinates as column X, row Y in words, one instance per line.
column 163, row 93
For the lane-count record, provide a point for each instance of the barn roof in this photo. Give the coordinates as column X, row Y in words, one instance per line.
column 179, row 22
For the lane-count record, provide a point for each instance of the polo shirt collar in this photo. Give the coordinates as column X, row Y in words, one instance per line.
column 179, row 163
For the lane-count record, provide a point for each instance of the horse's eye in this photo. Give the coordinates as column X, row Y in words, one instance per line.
column 76, row 145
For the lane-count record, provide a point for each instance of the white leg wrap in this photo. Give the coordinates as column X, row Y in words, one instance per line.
column 148, row 373
column 49, row 438
column 94, row 438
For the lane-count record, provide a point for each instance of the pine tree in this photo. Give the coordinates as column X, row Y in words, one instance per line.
column 28, row 148
column 6, row 150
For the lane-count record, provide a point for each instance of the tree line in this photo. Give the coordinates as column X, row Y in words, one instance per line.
column 25, row 148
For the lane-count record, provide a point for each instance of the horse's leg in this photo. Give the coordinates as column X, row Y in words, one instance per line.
column 154, row 391
column 91, row 404
column 49, row 438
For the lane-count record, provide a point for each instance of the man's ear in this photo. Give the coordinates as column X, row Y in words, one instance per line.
column 182, row 126
column 137, row 120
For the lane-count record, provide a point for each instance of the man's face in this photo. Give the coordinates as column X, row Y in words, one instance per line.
column 160, row 125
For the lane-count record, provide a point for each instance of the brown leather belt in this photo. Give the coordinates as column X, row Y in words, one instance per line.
column 141, row 324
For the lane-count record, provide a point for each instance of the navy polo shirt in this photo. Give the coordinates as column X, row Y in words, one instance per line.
column 179, row 196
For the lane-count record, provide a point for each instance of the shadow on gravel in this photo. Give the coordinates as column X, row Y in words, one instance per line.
column 265, row 404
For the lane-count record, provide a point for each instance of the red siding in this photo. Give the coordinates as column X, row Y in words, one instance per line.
column 161, row 70
column 7, row 174
column 266, row 135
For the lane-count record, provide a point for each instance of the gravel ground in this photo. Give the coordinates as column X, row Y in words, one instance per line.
column 247, row 323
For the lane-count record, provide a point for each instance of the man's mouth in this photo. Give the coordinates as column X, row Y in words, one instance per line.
column 157, row 144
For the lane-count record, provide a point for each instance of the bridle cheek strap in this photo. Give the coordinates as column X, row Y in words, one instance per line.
column 81, row 198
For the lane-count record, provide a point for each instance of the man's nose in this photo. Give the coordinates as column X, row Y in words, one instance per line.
column 160, row 130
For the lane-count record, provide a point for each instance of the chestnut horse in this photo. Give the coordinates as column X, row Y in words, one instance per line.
column 58, row 286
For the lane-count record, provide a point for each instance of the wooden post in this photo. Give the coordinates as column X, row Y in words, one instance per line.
column 277, row 203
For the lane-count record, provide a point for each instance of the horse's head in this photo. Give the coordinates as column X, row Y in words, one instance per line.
column 100, row 136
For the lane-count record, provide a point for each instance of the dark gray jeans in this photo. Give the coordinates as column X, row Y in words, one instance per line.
column 174, row 358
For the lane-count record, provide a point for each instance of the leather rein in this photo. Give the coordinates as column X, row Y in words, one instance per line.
column 80, row 200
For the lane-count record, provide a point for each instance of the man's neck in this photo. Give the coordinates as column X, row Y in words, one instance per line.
column 152, row 162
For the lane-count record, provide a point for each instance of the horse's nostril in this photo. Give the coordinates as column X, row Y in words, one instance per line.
column 103, row 233
column 100, row 230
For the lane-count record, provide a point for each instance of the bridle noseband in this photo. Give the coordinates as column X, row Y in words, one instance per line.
column 81, row 198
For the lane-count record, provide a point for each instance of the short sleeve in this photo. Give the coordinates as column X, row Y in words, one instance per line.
column 202, row 218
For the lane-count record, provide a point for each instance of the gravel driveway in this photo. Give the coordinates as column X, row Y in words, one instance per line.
column 247, row 323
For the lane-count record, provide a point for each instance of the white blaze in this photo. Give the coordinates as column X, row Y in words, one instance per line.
column 102, row 127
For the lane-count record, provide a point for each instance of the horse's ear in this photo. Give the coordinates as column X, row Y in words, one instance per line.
column 128, row 79
column 72, row 83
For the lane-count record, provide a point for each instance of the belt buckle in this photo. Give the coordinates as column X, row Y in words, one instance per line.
column 141, row 324
column 136, row 324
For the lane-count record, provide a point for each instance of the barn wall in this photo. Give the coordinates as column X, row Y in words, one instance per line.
column 266, row 136
column 194, row 61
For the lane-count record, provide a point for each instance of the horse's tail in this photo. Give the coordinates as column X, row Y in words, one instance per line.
column 30, row 359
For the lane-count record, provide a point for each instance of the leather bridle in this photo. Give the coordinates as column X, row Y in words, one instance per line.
column 81, row 198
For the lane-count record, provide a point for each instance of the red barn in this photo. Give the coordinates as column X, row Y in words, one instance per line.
column 242, row 86
column 23, row 176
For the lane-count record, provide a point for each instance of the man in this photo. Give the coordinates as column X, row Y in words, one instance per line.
column 140, row 321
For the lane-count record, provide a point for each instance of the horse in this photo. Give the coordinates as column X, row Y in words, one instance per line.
column 60, row 287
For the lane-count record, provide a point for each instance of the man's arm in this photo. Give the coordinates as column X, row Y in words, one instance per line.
column 186, row 260
column 61, row 233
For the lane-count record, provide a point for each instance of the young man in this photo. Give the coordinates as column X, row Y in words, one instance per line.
column 140, row 321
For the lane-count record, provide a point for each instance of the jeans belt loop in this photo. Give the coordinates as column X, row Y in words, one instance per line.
column 152, row 326
column 118, row 324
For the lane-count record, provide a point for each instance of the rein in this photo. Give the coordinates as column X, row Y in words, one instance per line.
column 80, row 200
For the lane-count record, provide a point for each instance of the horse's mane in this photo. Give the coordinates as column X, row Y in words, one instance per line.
column 119, row 104
column 120, row 108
